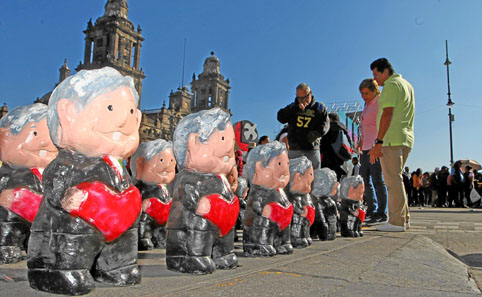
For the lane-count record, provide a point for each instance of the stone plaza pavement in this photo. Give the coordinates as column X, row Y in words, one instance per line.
column 441, row 255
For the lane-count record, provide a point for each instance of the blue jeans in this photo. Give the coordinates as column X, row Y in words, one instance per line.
column 313, row 155
column 367, row 170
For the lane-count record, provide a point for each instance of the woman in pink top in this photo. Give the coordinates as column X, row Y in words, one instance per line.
column 376, row 211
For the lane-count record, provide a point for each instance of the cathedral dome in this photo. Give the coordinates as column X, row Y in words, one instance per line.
column 212, row 65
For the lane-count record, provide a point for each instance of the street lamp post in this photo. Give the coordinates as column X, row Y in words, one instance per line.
column 450, row 103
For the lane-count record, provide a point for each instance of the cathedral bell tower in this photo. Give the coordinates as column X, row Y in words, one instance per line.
column 113, row 41
column 210, row 89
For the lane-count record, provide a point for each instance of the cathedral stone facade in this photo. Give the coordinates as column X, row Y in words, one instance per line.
column 112, row 41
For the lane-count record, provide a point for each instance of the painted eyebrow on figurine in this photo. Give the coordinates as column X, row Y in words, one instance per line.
column 204, row 123
column 299, row 165
column 323, row 183
column 20, row 116
column 263, row 153
column 148, row 150
column 347, row 182
column 81, row 88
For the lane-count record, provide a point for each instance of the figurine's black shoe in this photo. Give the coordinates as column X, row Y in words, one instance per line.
column 264, row 250
column 125, row 276
column 310, row 241
column 299, row 243
column 145, row 244
column 190, row 264
column 228, row 261
column 284, row 249
column 345, row 232
column 331, row 236
column 10, row 254
column 67, row 282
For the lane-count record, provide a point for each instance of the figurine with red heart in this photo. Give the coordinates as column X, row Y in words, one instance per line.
column 86, row 225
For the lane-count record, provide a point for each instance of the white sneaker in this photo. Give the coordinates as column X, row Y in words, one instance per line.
column 407, row 225
column 387, row 227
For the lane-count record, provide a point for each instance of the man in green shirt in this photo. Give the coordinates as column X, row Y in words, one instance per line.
column 395, row 138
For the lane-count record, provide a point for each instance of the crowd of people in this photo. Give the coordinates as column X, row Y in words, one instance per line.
column 443, row 187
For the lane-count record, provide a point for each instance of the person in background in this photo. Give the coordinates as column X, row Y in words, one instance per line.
column 443, row 186
column 356, row 166
column 456, row 194
column 307, row 123
column 434, row 186
column 283, row 136
column 238, row 155
column 330, row 158
column 417, row 194
column 427, row 193
column 376, row 205
column 468, row 183
column 263, row 139
column 406, row 177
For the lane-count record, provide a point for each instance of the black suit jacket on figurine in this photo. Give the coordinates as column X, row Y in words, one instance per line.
column 68, row 170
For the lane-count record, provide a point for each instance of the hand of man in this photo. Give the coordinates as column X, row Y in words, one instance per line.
column 302, row 105
column 375, row 153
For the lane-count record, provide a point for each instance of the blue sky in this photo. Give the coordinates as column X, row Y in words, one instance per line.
column 266, row 48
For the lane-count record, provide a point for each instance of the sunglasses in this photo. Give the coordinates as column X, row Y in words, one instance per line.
column 303, row 98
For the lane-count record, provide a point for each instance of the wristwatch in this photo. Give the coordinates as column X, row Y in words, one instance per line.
column 378, row 141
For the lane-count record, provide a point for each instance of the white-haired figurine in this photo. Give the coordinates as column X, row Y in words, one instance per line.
column 299, row 188
column 200, row 228
column 325, row 186
column 352, row 212
column 25, row 150
column 86, row 225
column 154, row 167
column 268, row 211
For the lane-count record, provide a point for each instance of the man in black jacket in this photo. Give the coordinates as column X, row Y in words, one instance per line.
column 307, row 122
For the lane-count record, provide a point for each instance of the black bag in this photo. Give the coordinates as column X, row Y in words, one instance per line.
column 342, row 146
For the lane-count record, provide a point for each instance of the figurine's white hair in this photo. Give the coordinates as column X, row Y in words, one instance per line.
column 81, row 88
column 325, row 179
column 347, row 182
column 204, row 123
column 148, row 150
column 263, row 153
column 299, row 165
column 17, row 118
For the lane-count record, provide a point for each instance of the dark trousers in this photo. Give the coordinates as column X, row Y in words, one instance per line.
column 417, row 196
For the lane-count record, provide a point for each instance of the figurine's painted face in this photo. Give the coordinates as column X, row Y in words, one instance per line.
column 32, row 147
column 216, row 155
column 356, row 194
column 275, row 175
column 233, row 178
column 160, row 169
column 301, row 183
column 108, row 125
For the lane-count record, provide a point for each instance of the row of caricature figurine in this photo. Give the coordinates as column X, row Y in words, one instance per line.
column 84, row 219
